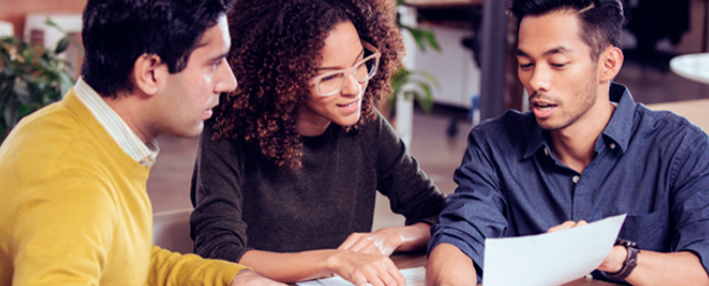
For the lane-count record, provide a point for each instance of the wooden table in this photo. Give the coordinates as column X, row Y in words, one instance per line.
column 404, row 261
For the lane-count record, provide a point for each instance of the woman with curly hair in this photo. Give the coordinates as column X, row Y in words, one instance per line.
column 287, row 172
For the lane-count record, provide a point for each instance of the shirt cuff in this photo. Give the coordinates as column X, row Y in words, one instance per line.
column 428, row 220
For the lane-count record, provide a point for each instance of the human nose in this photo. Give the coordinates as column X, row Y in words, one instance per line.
column 352, row 87
column 226, row 81
column 540, row 79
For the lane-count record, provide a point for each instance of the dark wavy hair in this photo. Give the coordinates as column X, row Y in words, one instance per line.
column 275, row 51
column 117, row 32
column 601, row 20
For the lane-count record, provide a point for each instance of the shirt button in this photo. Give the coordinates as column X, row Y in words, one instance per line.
column 546, row 152
column 575, row 179
column 612, row 146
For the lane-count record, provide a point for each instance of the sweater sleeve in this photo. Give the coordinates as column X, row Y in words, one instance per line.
column 172, row 268
column 216, row 223
column 410, row 192
column 61, row 235
column 64, row 236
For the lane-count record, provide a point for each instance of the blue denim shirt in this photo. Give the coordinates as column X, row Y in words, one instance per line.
column 651, row 165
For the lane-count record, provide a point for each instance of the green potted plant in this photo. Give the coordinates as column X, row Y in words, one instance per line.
column 414, row 83
column 31, row 77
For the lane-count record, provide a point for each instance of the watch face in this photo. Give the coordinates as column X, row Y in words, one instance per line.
column 626, row 243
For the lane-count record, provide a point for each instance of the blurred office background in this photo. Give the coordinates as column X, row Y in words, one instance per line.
column 476, row 58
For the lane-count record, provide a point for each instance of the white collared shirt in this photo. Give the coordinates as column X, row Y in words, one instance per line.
column 143, row 153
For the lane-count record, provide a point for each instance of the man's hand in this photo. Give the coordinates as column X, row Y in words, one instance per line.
column 250, row 278
column 381, row 242
column 360, row 268
column 614, row 260
column 569, row 224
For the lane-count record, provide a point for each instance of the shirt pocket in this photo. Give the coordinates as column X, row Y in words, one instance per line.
column 649, row 231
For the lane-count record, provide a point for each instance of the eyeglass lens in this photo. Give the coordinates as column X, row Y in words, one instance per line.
column 362, row 72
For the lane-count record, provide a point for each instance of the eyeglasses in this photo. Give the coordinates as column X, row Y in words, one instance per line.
column 333, row 82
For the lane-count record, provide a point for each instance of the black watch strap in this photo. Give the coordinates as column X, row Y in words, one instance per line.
column 630, row 261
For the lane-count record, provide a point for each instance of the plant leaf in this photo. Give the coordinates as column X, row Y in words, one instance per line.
column 22, row 92
column 430, row 77
column 6, row 85
column 10, row 112
column 3, row 132
column 30, row 77
column 423, row 37
column 65, row 82
column 430, row 36
column 51, row 23
column 426, row 101
column 62, row 45
column 416, row 33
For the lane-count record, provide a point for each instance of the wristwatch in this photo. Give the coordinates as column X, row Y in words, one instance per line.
column 630, row 261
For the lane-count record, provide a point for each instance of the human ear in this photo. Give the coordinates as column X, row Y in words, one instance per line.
column 148, row 74
column 609, row 63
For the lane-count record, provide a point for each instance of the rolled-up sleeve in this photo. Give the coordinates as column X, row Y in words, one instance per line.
column 690, row 197
column 476, row 210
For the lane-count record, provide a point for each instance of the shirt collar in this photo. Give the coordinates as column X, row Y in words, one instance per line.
column 618, row 128
column 143, row 153
column 621, row 123
column 536, row 140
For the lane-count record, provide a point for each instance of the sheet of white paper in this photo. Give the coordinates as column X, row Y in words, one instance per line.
column 414, row 277
column 549, row 258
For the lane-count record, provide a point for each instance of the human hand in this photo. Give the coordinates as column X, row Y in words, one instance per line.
column 569, row 224
column 381, row 242
column 613, row 262
column 615, row 259
column 250, row 278
column 360, row 268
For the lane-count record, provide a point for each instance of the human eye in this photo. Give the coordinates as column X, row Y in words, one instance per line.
column 332, row 77
column 523, row 66
column 216, row 64
column 558, row 65
column 329, row 78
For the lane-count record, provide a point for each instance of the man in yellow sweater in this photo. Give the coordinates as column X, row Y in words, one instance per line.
column 73, row 204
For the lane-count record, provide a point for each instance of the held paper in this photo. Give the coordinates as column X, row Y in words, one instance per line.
column 550, row 258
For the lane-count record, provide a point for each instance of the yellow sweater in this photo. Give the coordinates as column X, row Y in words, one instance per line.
column 74, row 210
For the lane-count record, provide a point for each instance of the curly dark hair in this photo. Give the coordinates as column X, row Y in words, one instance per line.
column 275, row 52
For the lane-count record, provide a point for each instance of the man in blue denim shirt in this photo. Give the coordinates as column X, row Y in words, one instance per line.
column 586, row 151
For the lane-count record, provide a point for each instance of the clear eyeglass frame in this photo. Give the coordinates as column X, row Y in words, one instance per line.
column 374, row 55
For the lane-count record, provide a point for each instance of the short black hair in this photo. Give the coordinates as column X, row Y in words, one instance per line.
column 601, row 20
column 117, row 32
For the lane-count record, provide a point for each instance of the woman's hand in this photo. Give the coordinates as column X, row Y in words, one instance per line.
column 381, row 242
column 387, row 240
column 360, row 268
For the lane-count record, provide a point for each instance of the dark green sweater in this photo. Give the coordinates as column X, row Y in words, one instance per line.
column 242, row 202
